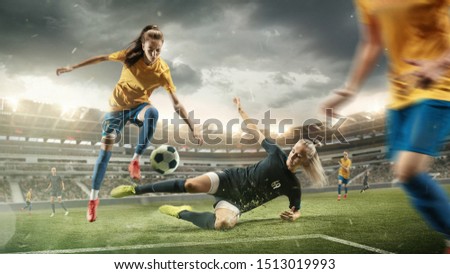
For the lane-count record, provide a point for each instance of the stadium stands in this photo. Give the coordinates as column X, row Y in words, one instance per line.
column 35, row 137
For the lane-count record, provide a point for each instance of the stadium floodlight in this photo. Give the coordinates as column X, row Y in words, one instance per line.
column 13, row 103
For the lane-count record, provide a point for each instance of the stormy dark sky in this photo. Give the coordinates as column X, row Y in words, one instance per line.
column 283, row 56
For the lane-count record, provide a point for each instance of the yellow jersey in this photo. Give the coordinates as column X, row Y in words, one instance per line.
column 345, row 163
column 137, row 83
column 29, row 196
column 410, row 29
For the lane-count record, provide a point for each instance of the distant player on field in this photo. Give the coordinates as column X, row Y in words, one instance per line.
column 56, row 185
column 344, row 174
column 415, row 35
column 238, row 190
column 28, row 198
column 365, row 181
column 143, row 72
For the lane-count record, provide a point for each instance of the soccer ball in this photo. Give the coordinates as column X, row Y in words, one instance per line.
column 165, row 159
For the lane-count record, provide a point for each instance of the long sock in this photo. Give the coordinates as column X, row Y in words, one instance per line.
column 147, row 130
column 339, row 189
column 431, row 201
column 94, row 194
column 171, row 186
column 345, row 188
column 205, row 220
column 100, row 168
column 63, row 206
column 53, row 207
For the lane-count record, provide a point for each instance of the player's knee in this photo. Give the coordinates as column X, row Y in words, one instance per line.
column 404, row 173
column 191, row 186
column 151, row 116
column 224, row 223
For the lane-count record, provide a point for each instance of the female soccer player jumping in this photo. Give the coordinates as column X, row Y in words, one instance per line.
column 415, row 36
column 143, row 71
column 238, row 190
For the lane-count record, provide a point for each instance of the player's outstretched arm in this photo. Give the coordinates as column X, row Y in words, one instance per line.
column 369, row 48
column 90, row 61
column 248, row 121
column 429, row 71
column 181, row 111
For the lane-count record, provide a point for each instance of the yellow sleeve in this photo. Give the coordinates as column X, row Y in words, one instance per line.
column 363, row 11
column 118, row 56
column 167, row 82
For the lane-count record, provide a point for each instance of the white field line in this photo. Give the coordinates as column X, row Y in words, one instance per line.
column 235, row 241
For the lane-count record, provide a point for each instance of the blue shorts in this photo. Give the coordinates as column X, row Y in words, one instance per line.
column 420, row 128
column 342, row 179
column 113, row 122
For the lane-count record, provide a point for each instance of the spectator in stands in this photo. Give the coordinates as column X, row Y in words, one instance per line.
column 344, row 174
column 142, row 73
column 28, row 198
column 415, row 34
column 241, row 189
column 56, row 185
column 365, row 181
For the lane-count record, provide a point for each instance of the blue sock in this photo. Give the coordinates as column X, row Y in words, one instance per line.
column 147, row 130
column 100, row 168
column 205, row 220
column 431, row 201
column 339, row 189
column 169, row 186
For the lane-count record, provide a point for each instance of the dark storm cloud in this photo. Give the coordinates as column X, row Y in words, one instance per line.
column 186, row 77
column 280, row 37
column 330, row 26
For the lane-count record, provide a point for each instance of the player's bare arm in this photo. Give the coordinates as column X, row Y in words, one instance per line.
column 90, row 61
column 181, row 111
column 429, row 71
column 369, row 49
column 248, row 120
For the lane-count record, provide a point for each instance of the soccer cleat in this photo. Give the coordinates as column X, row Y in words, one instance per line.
column 123, row 191
column 135, row 170
column 91, row 214
column 174, row 211
column 345, row 196
column 67, row 213
column 51, row 215
column 339, row 197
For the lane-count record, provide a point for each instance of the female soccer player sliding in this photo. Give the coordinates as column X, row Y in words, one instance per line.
column 415, row 36
column 238, row 190
column 143, row 71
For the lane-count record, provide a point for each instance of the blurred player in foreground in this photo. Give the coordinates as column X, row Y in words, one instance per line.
column 143, row 72
column 57, row 187
column 238, row 190
column 28, row 198
column 415, row 35
column 344, row 174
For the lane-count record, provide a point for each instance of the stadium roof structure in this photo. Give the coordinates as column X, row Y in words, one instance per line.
column 31, row 119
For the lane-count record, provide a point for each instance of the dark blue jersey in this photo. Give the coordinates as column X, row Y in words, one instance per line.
column 254, row 185
column 56, row 182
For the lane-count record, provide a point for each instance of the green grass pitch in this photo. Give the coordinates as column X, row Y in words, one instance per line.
column 381, row 219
